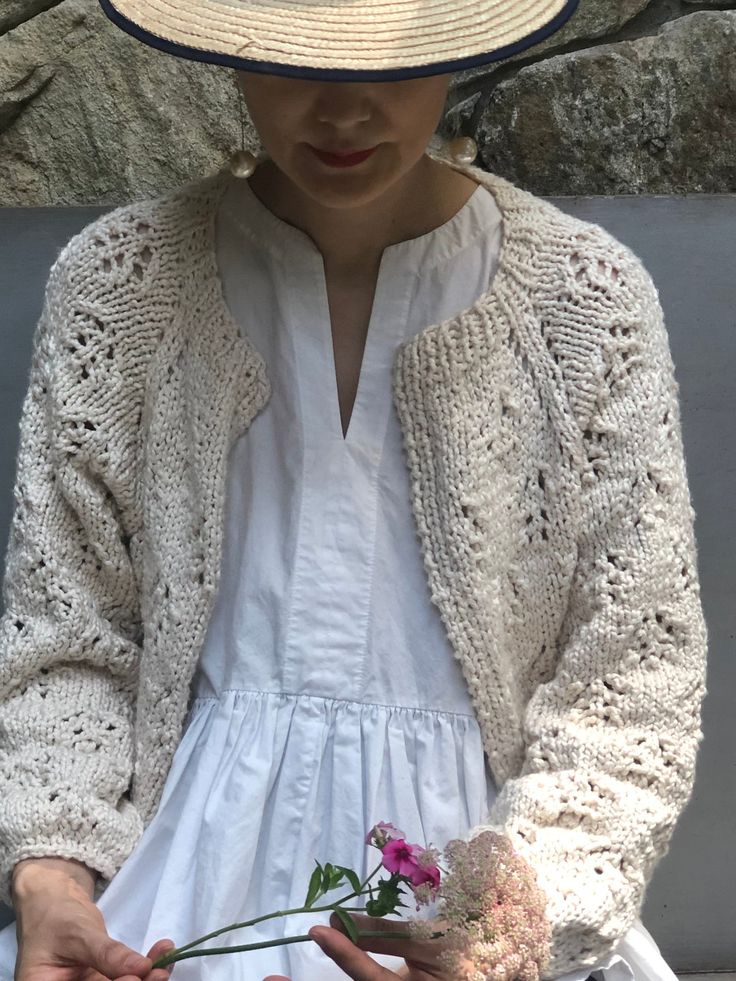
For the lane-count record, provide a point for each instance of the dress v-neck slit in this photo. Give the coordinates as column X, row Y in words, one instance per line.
column 332, row 385
column 372, row 403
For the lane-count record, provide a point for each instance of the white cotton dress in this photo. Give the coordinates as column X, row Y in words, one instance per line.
column 327, row 696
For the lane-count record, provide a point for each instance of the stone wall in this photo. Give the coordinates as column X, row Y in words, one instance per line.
column 629, row 97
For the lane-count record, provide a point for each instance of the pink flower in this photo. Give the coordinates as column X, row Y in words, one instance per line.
column 430, row 875
column 381, row 833
column 425, row 882
column 414, row 862
column 399, row 856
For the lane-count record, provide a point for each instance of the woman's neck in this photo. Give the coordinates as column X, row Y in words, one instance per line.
column 349, row 237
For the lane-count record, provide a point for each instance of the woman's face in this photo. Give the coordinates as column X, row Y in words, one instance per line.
column 292, row 115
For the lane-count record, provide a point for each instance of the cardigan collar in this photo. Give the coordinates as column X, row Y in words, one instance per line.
column 228, row 345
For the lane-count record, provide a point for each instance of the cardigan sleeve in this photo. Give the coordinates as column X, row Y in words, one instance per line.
column 69, row 635
column 611, row 739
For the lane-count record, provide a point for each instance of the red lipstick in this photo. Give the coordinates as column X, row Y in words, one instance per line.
column 342, row 159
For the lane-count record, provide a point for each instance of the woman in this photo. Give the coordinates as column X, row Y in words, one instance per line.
column 344, row 493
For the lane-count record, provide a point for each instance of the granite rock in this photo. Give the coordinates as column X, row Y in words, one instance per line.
column 14, row 12
column 89, row 115
column 656, row 115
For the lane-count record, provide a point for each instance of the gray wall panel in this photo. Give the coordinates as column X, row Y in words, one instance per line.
column 688, row 243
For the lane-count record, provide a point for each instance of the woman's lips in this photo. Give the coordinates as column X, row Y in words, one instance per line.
column 341, row 159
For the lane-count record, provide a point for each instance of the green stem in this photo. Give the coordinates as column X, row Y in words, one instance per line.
column 260, row 919
column 268, row 916
column 179, row 955
column 365, row 881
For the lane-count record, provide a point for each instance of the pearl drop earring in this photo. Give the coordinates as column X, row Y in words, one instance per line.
column 463, row 149
column 243, row 162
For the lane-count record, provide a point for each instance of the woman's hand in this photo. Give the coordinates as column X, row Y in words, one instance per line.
column 62, row 936
column 420, row 955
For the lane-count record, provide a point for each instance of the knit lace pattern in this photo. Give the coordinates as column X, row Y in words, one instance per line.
column 542, row 434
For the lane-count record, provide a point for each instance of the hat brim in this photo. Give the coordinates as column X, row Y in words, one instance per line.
column 341, row 41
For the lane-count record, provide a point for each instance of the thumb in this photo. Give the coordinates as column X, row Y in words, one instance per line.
column 113, row 959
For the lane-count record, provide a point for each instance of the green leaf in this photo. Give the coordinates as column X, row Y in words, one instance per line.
column 351, row 877
column 388, row 892
column 336, row 875
column 349, row 923
column 326, row 875
column 377, row 907
column 314, row 886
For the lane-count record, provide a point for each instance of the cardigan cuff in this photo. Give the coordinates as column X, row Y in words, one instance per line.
column 88, row 830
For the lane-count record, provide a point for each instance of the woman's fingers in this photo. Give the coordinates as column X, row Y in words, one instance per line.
column 160, row 948
column 410, row 948
column 353, row 961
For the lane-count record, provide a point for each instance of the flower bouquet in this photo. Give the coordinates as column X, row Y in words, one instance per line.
column 492, row 912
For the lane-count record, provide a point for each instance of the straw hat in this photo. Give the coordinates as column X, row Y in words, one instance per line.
column 342, row 40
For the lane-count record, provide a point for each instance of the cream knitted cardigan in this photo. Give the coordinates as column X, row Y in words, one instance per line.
column 542, row 434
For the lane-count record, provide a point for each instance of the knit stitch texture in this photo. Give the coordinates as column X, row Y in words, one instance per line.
column 542, row 435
